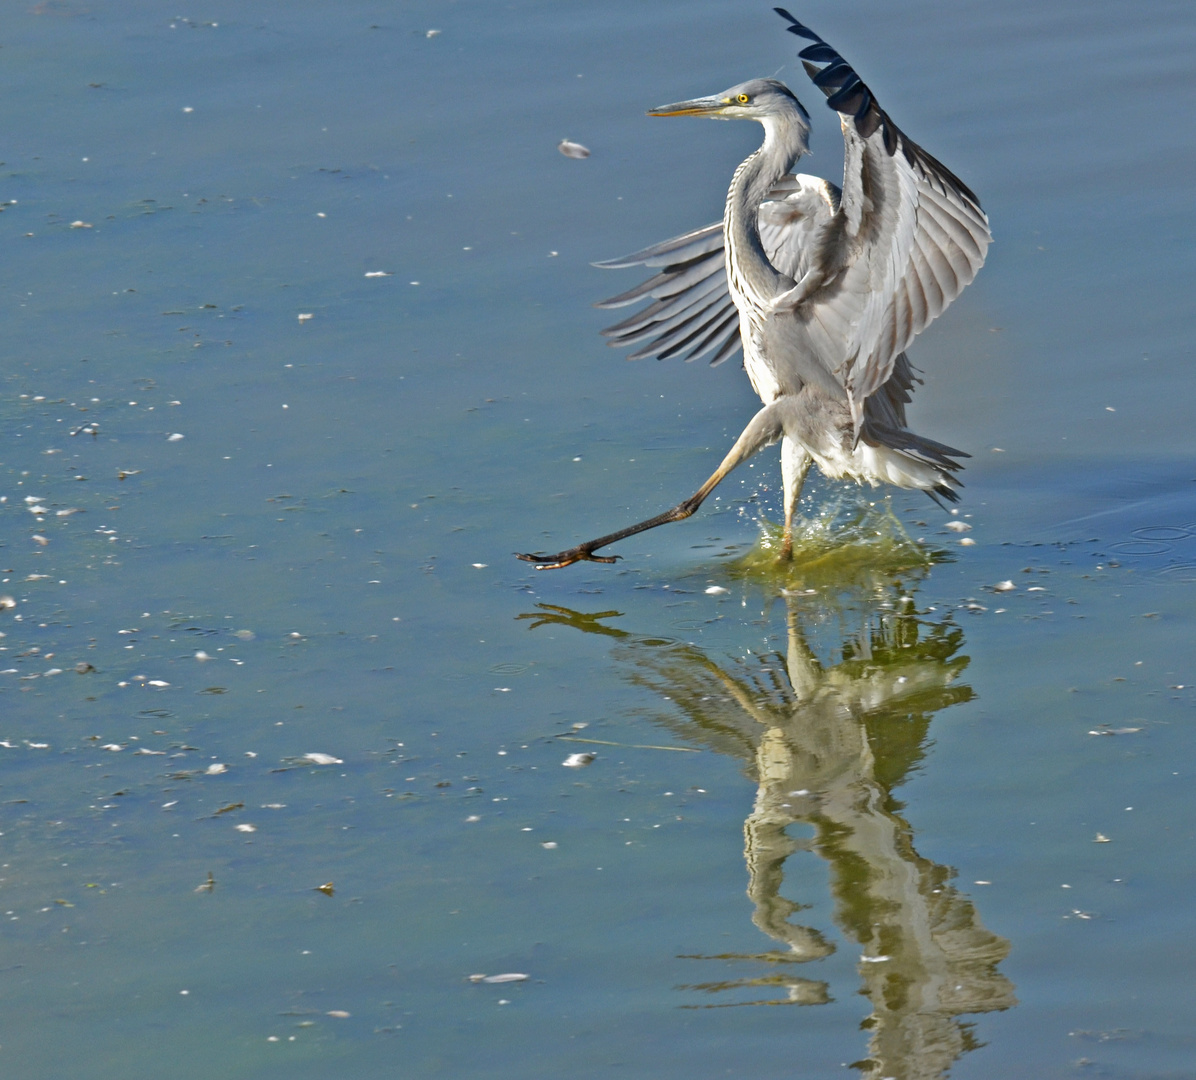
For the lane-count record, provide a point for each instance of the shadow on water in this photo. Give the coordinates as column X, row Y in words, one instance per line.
column 828, row 730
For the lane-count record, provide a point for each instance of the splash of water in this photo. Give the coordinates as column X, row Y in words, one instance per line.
column 849, row 542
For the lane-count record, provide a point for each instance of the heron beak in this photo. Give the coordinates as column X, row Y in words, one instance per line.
column 707, row 106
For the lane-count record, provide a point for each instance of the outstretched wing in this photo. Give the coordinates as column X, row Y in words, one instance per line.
column 693, row 313
column 906, row 240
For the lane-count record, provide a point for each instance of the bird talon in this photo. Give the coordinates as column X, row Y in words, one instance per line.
column 601, row 558
column 536, row 558
column 566, row 558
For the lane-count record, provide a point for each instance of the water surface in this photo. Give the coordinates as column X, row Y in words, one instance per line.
column 771, row 809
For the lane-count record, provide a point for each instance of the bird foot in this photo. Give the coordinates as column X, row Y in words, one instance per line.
column 581, row 553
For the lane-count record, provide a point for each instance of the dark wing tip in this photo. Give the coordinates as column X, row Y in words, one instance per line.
column 796, row 27
column 848, row 95
column 845, row 91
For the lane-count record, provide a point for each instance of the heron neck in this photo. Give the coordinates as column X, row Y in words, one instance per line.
column 784, row 143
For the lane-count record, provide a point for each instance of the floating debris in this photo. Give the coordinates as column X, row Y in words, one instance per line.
column 378, row 273
column 433, row 33
column 958, row 526
column 82, row 225
column 215, row 769
column 327, row 888
column 578, row 761
column 83, row 667
column 967, row 541
column 1101, row 838
column 510, row 977
column 229, row 809
column 1104, row 729
column 207, row 886
column 573, row 150
column 340, row 1014
column 717, row 590
column 7, row 602
column 322, row 759
column 305, row 316
column 244, row 827
column 176, row 437
column 1003, row 586
column 549, row 845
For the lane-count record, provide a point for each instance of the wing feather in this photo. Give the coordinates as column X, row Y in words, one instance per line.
column 666, row 313
column 678, row 249
column 909, row 234
column 693, row 309
column 673, row 340
column 898, row 243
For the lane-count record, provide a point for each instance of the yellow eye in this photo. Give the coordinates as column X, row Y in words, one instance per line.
column 743, row 99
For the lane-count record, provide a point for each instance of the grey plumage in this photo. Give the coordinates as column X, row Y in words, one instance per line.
column 823, row 288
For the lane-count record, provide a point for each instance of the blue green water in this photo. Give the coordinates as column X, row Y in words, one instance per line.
column 850, row 813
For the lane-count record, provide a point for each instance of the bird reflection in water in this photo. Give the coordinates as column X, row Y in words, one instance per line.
column 827, row 743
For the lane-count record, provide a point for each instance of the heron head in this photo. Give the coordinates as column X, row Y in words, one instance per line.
column 757, row 99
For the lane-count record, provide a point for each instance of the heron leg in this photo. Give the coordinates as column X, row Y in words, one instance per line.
column 795, row 464
column 763, row 430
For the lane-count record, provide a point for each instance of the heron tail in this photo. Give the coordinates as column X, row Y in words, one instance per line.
column 913, row 461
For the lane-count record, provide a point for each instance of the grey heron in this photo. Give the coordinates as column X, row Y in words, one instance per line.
column 824, row 288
